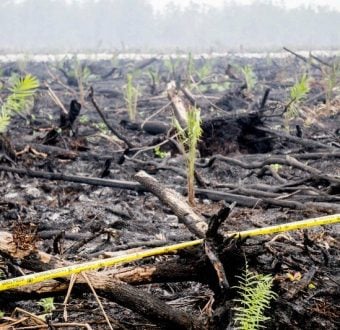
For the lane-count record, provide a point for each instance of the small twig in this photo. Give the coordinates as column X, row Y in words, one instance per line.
column 68, row 295
column 97, row 298
column 155, row 114
column 55, row 98
column 114, row 131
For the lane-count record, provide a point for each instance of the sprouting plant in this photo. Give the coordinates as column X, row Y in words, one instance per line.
column 84, row 119
column 171, row 65
column 190, row 68
column 332, row 76
column 255, row 296
column 22, row 63
column 188, row 139
column 2, row 314
column 103, row 128
column 131, row 97
column 249, row 76
column 82, row 74
column 159, row 153
column 204, row 71
column 297, row 94
column 276, row 167
column 155, row 80
column 47, row 304
column 22, row 91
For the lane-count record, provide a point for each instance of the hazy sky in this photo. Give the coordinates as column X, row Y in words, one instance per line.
column 335, row 4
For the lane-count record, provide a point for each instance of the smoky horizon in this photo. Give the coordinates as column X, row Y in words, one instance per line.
column 37, row 26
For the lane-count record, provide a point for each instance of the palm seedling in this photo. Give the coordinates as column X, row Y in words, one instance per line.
column 249, row 76
column 22, row 91
column 131, row 97
column 332, row 75
column 188, row 139
column 296, row 95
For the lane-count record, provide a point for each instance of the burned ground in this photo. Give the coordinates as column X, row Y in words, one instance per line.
column 277, row 170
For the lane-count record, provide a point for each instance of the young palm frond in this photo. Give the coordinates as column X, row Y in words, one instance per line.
column 256, row 294
column 297, row 93
column 22, row 90
column 194, row 134
column 188, row 140
column 249, row 77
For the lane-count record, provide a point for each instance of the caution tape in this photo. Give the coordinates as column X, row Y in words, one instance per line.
column 97, row 264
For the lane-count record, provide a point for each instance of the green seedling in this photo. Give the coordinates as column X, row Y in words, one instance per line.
column 2, row 314
column 249, row 77
column 204, row 71
column 155, row 80
column 159, row 153
column 188, row 139
column 297, row 94
column 190, row 69
column 103, row 128
column 22, row 91
column 47, row 304
column 276, row 167
column 255, row 296
column 215, row 86
column 22, row 63
column 131, row 97
column 84, row 119
column 171, row 64
column 332, row 76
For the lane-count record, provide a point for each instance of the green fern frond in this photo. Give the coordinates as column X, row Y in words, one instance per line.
column 255, row 296
column 22, row 91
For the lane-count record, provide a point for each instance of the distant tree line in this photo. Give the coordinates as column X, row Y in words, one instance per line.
column 50, row 25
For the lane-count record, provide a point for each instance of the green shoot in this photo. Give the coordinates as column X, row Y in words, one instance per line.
column 47, row 304
column 188, row 139
column 22, row 91
column 84, row 119
column 296, row 95
column 131, row 97
column 249, row 77
column 204, row 71
column 276, row 167
column 194, row 133
column 159, row 153
column 2, row 314
column 255, row 296
column 82, row 74
column 332, row 76
column 190, row 68
column 102, row 128
column 171, row 65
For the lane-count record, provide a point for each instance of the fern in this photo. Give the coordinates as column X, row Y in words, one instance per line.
column 256, row 294
column 22, row 91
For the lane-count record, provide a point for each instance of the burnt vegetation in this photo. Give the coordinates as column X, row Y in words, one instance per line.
column 82, row 180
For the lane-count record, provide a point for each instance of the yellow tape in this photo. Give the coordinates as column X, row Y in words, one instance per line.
column 296, row 225
column 93, row 265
